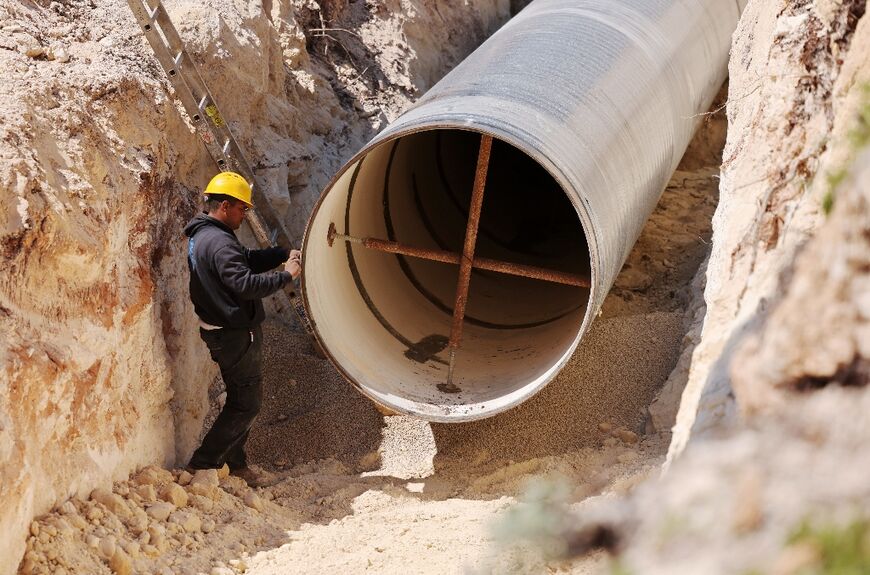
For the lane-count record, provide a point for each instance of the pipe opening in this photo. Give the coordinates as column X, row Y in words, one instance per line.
column 385, row 319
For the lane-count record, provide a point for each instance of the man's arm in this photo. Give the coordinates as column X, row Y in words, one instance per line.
column 266, row 259
column 241, row 279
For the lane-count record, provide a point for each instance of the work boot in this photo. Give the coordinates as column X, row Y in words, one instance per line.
column 254, row 476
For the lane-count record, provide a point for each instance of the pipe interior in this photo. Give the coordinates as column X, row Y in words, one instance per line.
column 385, row 319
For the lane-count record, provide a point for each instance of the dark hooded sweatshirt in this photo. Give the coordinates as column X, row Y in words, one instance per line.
column 227, row 280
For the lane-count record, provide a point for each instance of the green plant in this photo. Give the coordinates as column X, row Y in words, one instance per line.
column 843, row 549
column 859, row 137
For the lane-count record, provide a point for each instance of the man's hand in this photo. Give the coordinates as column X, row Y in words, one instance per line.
column 294, row 264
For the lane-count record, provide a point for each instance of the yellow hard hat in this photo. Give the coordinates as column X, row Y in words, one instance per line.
column 230, row 184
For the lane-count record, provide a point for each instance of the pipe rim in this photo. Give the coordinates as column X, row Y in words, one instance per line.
column 478, row 410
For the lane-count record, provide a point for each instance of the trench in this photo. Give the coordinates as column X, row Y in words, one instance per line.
column 415, row 189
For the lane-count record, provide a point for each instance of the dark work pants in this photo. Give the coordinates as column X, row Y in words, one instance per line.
column 238, row 353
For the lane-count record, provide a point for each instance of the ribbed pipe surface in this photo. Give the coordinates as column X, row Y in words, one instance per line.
column 591, row 104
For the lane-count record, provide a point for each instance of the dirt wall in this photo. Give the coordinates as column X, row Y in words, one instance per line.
column 102, row 367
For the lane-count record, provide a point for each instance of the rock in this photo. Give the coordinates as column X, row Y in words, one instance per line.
column 34, row 528
column 138, row 523
column 132, row 549
column 27, row 567
column 120, row 563
column 205, row 482
column 160, row 510
column 34, row 51
column 94, row 514
column 150, row 550
column 153, row 475
column 222, row 571
column 92, row 541
column 184, row 477
column 223, row 472
column 61, row 56
column 175, row 494
column 202, row 503
column 68, row 508
column 190, row 522
column 605, row 427
column 208, row 525
column 147, row 492
column 107, row 547
column 208, row 477
column 158, row 538
column 626, row 436
column 111, row 501
column 253, row 501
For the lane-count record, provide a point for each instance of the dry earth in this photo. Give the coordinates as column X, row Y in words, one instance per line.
column 103, row 371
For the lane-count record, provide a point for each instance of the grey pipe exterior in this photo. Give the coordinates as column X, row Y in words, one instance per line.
column 604, row 94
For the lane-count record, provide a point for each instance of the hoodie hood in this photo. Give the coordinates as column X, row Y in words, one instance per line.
column 201, row 220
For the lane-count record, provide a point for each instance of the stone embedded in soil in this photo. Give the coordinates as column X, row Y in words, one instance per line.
column 160, row 510
column 138, row 523
column 253, row 501
column 153, row 475
column 175, row 494
column 147, row 492
column 184, row 478
column 605, row 427
column 111, row 501
column 208, row 477
column 120, row 563
column 107, row 547
column 208, row 525
column 190, row 522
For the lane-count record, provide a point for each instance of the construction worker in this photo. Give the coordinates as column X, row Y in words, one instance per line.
column 227, row 284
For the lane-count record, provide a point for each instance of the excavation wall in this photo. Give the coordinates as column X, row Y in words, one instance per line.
column 102, row 368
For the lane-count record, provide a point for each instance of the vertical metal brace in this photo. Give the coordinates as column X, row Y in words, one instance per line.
column 467, row 258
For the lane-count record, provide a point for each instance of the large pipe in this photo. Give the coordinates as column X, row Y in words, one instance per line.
column 591, row 104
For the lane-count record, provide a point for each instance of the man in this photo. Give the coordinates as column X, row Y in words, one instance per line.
column 227, row 284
